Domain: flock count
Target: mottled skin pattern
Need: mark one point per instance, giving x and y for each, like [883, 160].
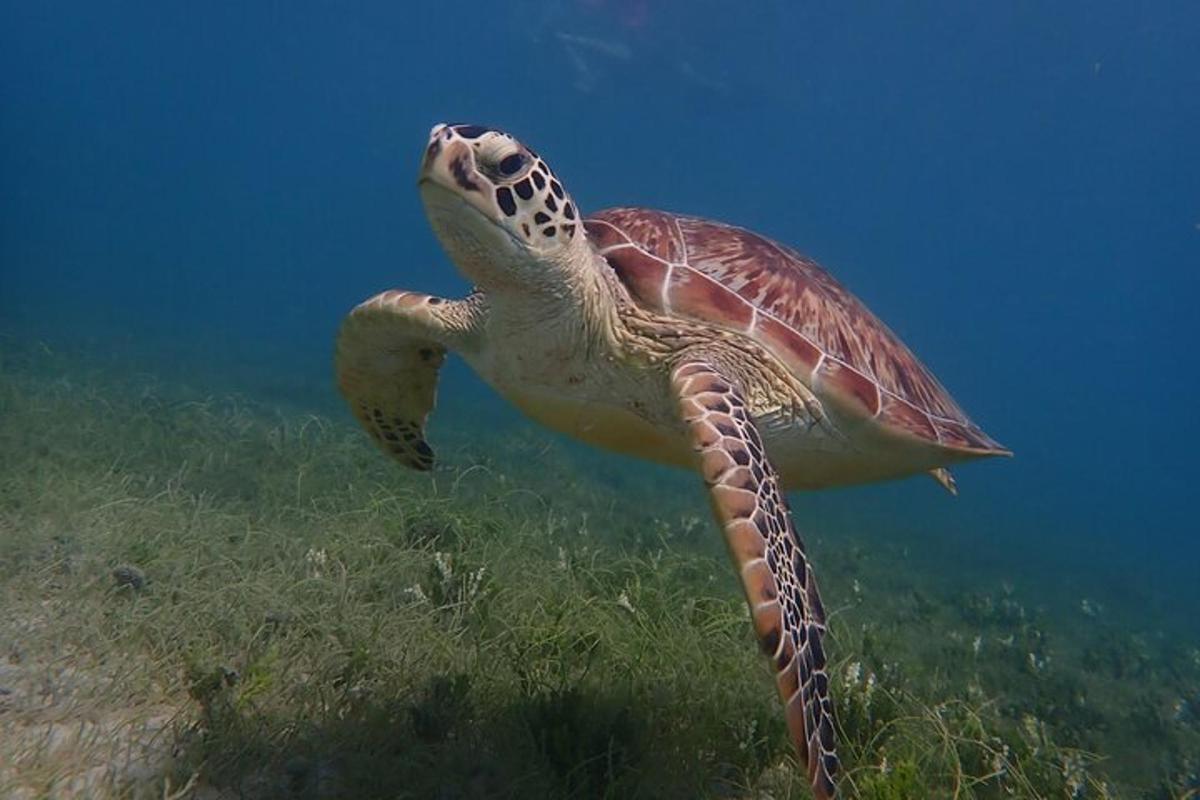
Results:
[668, 338]
[768, 554]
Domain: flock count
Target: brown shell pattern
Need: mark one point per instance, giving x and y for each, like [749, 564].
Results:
[742, 281]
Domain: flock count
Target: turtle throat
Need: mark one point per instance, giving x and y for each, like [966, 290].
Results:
[490, 256]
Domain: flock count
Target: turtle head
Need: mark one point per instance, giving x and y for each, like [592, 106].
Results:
[498, 210]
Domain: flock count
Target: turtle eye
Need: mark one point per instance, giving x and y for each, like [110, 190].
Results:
[511, 164]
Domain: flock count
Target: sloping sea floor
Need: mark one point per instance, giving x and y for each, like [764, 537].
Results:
[215, 595]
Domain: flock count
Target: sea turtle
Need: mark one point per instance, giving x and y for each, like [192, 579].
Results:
[671, 338]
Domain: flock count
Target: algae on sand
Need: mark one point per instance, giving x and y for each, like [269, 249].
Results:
[313, 622]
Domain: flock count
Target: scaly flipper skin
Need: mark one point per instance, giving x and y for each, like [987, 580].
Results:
[389, 351]
[778, 580]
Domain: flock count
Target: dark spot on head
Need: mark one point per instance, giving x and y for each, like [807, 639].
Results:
[541, 218]
[569, 230]
[425, 353]
[549, 231]
[505, 199]
[511, 164]
[556, 187]
[538, 180]
[436, 301]
[569, 211]
[523, 189]
[459, 170]
[525, 228]
[470, 131]
[551, 204]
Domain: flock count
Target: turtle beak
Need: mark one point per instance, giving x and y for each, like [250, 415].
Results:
[450, 163]
[439, 136]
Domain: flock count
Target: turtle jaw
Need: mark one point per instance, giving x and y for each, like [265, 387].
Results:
[485, 252]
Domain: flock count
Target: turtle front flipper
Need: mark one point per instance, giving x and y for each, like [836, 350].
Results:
[389, 351]
[778, 580]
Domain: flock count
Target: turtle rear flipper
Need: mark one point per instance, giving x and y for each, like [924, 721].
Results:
[945, 479]
[389, 351]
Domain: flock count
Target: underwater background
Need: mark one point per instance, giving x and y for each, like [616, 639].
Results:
[193, 196]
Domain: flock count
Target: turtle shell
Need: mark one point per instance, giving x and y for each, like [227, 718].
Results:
[739, 280]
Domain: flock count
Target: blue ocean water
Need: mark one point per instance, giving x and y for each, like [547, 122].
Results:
[1013, 187]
